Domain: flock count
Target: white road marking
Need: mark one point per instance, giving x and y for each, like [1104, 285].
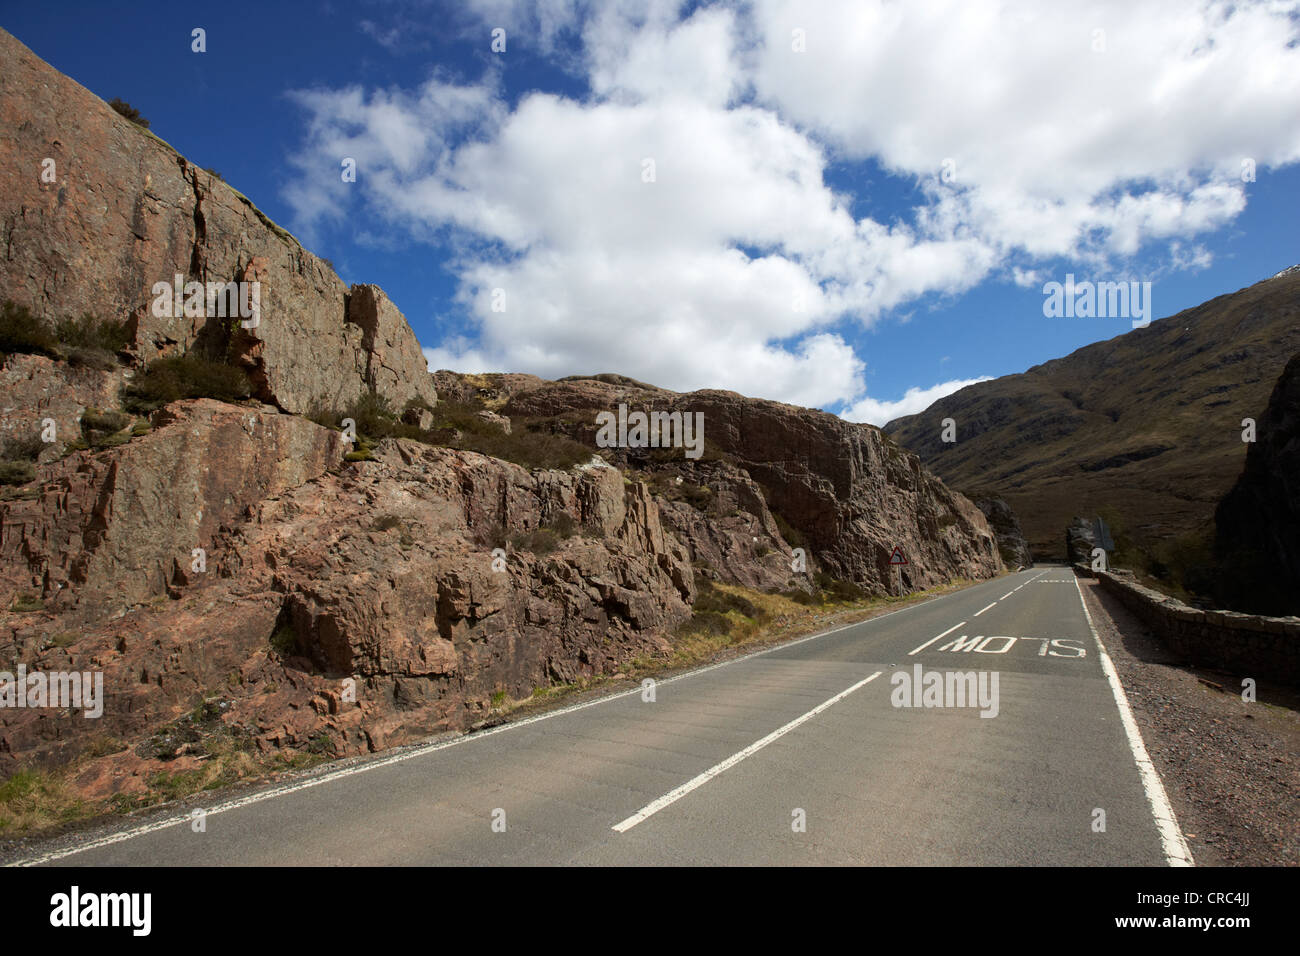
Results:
[1177, 852]
[421, 750]
[1008, 594]
[933, 639]
[982, 610]
[650, 809]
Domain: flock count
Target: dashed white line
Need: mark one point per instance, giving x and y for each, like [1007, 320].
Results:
[982, 610]
[935, 638]
[1177, 852]
[650, 809]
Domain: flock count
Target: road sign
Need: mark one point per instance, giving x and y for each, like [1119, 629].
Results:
[897, 556]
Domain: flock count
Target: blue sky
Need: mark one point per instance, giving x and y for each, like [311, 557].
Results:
[1107, 143]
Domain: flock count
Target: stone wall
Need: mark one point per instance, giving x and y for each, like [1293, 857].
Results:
[1250, 645]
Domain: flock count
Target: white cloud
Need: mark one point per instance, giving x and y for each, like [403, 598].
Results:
[914, 400]
[1057, 148]
[600, 269]
[692, 280]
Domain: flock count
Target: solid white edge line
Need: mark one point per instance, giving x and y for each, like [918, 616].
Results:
[982, 610]
[935, 638]
[421, 750]
[650, 809]
[1177, 852]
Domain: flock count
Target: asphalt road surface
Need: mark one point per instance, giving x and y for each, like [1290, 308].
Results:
[799, 754]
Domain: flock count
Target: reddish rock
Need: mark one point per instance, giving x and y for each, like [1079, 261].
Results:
[847, 489]
[112, 529]
[126, 211]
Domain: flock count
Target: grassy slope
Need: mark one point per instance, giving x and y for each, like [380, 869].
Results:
[1145, 426]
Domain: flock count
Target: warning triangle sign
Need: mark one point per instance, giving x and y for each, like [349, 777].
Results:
[897, 556]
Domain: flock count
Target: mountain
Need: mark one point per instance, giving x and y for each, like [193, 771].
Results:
[283, 538]
[1145, 428]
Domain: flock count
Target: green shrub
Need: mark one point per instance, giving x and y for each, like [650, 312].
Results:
[284, 640]
[374, 416]
[101, 429]
[27, 602]
[837, 590]
[184, 376]
[540, 541]
[385, 523]
[92, 358]
[532, 444]
[808, 599]
[711, 614]
[564, 525]
[89, 332]
[22, 448]
[125, 109]
[22, 332]
[788, 531]
[711, 599]
[17, 472]
[93, 420]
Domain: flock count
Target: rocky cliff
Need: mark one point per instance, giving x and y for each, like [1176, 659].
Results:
[846, 491]
[1012, 544]
[96, 210]
[1257, 525]
[241, 569]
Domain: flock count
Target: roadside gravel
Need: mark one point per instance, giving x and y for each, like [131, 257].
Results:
[1231, 768]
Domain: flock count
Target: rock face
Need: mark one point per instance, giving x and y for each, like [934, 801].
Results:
[111, 530]
[380, 572]
[1012, 544]
[124, 211]
[1257, 525]
[34, 388]
[847, 490]
[1080, 540]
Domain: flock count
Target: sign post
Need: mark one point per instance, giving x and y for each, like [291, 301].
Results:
[897, 560]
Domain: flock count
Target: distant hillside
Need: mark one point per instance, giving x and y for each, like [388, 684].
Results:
[1145, 427]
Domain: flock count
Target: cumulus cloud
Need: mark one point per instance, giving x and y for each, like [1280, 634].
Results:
[1047, 129]
[675, 223]
[914, 400]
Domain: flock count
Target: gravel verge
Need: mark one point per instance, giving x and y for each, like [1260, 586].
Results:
[1231, 768]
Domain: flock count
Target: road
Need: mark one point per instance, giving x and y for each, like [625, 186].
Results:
[794, 755]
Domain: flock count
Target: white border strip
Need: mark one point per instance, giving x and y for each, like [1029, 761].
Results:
[1177, 853]
[650, 809]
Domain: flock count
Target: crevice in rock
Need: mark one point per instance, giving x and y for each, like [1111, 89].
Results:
[198, 256]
